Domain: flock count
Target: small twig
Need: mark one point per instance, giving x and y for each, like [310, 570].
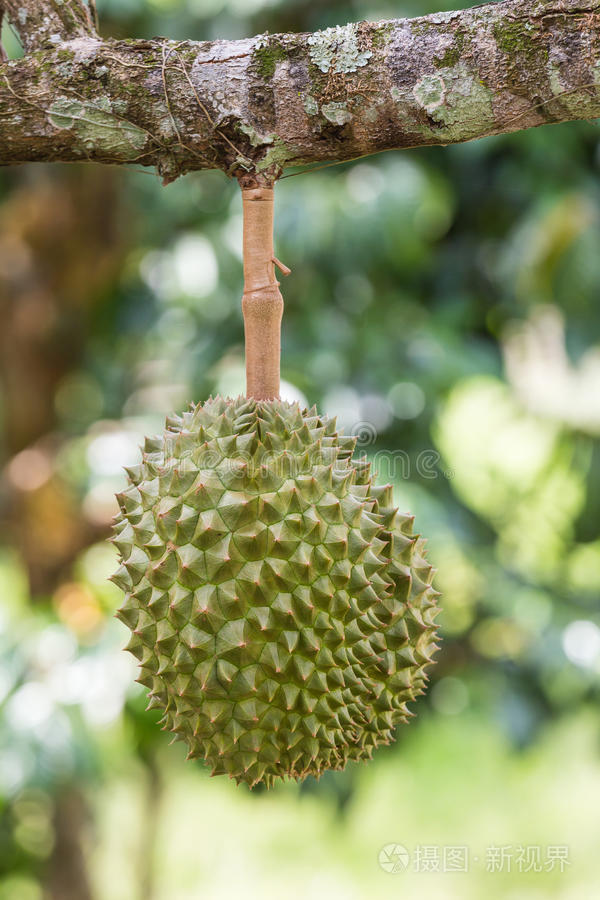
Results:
[166, 92]
[129, 65]
[223, 59]
[3, 55]
[94, 14]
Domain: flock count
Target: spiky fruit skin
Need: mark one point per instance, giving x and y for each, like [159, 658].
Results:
[281, 609]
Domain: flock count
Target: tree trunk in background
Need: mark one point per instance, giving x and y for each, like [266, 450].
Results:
[67, 877]
[149, 832]
[60, 248]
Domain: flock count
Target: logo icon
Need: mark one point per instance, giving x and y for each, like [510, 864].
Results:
[365, 434]
[393, 858]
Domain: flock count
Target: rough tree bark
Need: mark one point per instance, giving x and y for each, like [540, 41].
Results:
[259, 105]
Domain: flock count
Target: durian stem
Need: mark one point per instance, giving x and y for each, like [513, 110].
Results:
[262, 303]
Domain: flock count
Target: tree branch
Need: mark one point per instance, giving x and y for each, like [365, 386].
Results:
[47, 22]
[262, 104]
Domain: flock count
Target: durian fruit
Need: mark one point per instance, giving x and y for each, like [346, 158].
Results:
[280, 607]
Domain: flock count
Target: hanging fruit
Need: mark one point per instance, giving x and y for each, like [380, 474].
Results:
[281, 608]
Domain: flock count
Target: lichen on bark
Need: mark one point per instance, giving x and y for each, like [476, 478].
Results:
[97, 126]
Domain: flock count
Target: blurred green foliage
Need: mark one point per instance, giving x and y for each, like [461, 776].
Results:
[443, 304]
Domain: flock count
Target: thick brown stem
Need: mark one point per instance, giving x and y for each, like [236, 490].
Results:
[262, 303]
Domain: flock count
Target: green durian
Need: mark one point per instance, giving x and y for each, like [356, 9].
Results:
[281, 608]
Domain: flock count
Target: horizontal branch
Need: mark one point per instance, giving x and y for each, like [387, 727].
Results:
[266, 103]
[41, 22]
